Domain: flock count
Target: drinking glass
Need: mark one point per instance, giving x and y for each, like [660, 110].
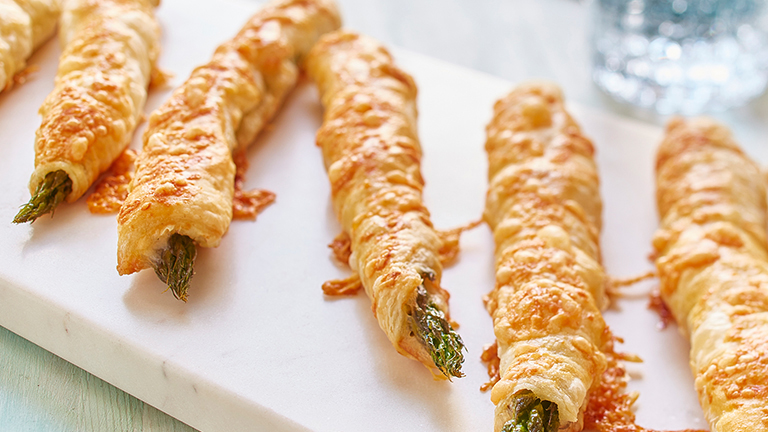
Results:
[681, 56]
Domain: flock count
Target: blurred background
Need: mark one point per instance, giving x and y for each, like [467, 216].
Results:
[552, 39]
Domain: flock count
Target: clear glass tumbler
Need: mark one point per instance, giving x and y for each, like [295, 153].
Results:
[681, 56]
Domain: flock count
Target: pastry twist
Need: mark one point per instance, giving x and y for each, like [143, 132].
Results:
[110, 49]
[544, 208]
[372, 155]
[185, 175]
[712, 260]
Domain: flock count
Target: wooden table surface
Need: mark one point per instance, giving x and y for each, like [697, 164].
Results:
[513, 39]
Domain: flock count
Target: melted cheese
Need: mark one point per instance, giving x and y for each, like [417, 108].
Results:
[110, 48]
[712, 259]
[543, 205]
[247, 204]
[372, 154]
[185, 175]
[110, 192]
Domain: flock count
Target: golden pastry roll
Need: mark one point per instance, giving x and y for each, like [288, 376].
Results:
[372, 154]
[712, 260]
[110, 49]
[543, 206]
[24, 26]
[185, 174]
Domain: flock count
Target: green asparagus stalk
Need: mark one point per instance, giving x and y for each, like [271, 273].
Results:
[429, 325]
[50, 193]
[176, 265]
[531, 414]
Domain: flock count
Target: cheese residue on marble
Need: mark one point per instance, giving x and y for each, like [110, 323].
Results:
[247, 204]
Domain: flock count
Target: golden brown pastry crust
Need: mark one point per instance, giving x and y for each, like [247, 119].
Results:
[184, 181]
[24, 26]
[110, 48]
[712, 260]
[544, 208]
[372, 154]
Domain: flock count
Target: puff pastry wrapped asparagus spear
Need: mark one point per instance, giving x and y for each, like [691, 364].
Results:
[372, 154]
[182, 191]
[712, 260]
[24, 26]
[544, 208]
[110, 48]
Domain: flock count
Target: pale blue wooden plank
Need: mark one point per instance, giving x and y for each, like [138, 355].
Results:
[40, 392]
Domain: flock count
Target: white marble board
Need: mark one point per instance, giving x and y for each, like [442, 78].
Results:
[258, 347]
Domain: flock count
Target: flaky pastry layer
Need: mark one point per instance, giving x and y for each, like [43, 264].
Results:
[372, 155]
[712, 260]
[184, 181]
[110, 48]
[544, 208]
[24, 26]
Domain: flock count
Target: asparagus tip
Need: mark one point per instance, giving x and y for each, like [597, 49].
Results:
[176, 265]
[531, 414]
[429, 325]
[52, 191]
